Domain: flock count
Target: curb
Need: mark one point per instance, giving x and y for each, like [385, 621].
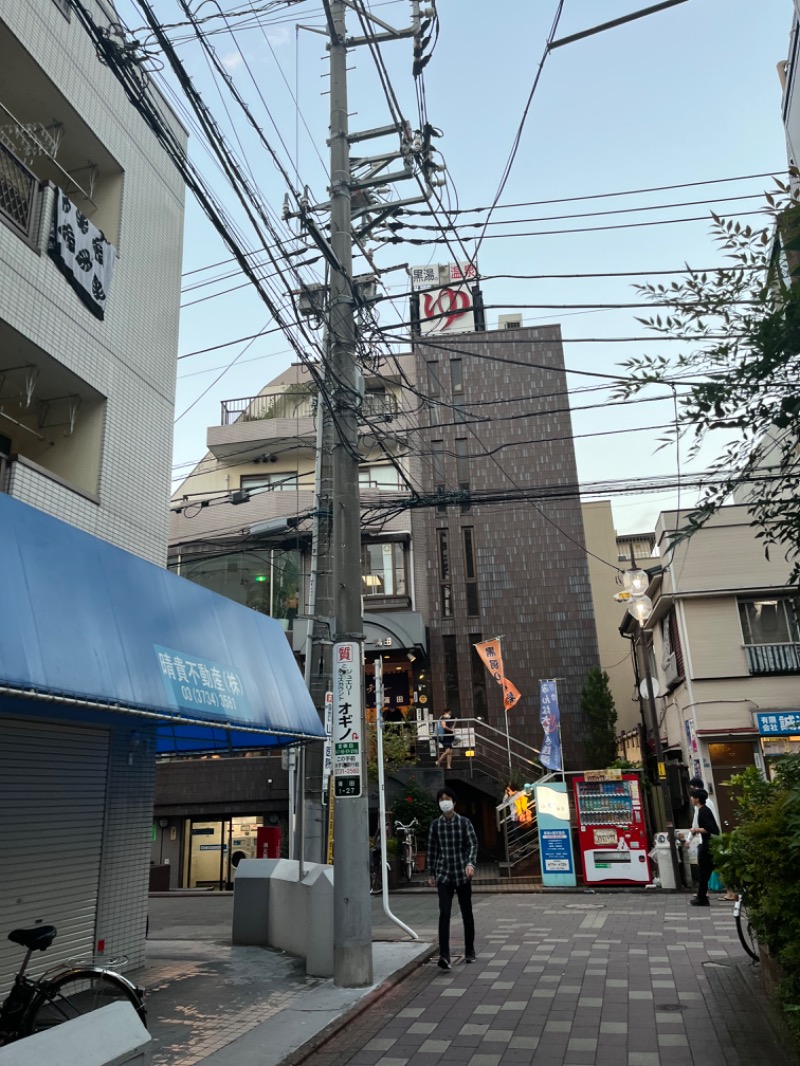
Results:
[318, 1040]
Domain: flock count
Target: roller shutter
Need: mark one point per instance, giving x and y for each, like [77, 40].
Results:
[53, 782]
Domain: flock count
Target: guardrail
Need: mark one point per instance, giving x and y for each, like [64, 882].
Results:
[19, 194]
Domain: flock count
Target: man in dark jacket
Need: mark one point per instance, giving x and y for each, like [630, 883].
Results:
[452, 854]
[706, 828]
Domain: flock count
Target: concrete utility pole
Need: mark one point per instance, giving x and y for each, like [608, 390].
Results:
[352, 909]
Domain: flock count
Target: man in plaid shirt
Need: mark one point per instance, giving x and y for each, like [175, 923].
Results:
[452, 854]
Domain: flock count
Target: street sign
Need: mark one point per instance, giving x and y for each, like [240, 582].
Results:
[327, 751]
[347, 719]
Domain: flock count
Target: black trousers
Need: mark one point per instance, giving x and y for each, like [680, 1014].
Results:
[705, 867]
[446, 890]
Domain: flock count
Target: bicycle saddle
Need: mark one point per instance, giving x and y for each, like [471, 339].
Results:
[38, 939]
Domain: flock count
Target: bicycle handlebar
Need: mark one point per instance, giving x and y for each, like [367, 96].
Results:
[411, 825]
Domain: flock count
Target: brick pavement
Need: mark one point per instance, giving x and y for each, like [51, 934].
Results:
[576, 980]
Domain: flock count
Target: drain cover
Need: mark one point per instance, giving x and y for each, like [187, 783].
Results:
[671, 1008]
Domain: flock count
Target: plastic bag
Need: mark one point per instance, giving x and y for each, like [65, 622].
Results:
[715, 883]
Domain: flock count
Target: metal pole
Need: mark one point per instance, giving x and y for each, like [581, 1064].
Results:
[382, 798]
[292, 803]
[352, 911]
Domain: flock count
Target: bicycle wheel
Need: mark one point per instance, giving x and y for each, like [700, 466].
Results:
[75, 993]
[745, 930]
[408, 863]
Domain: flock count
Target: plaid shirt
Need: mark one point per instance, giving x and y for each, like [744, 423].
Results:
[452, 846]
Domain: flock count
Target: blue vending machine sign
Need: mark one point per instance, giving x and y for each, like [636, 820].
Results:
[555, 835]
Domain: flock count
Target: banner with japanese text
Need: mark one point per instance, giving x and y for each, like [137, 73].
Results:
[550, 717]
[491, 655]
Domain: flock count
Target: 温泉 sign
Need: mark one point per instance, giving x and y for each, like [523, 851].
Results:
[445, 301]
[347, 719]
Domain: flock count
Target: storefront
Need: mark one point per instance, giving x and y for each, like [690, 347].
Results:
[106, 659]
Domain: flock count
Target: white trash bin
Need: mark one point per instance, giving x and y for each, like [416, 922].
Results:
[663, 855]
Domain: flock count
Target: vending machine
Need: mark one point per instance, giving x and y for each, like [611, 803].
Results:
[611, 829]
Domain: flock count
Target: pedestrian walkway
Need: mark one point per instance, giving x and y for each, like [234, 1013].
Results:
[572, 979]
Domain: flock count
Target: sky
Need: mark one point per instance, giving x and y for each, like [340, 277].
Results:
[690, 94]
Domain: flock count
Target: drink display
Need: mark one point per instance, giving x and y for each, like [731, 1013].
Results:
[611, 828]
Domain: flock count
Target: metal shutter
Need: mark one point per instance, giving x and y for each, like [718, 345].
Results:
[53, 782]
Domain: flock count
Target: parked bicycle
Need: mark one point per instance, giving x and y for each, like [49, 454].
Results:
[64, 992]
[745, 930]
[408, 835]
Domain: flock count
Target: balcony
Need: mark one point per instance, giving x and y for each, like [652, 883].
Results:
[773, 659]
[251, 426]
[19, 195]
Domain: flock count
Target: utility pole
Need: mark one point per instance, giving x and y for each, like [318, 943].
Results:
[367, 177]
[352, 908]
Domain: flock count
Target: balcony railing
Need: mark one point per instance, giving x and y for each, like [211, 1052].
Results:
[19, 194]
[298, 402]
[773, 658]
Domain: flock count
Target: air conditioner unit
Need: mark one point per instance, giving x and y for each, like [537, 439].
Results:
[671, 673]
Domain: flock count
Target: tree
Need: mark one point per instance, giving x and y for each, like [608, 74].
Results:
[599, 711]
[740, 372]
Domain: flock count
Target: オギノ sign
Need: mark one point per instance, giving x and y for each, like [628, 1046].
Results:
[347, 719]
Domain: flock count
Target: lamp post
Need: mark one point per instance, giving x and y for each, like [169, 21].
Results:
[640, 607]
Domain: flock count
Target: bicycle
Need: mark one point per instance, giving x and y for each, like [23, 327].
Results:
[64, 992]
[409, 856]
[744, 928]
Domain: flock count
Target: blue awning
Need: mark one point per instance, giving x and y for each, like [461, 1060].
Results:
[87, 624]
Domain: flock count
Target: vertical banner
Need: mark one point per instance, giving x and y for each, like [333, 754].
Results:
[492, 658]
[550, 718]
[347, 719]
[555, 835]
[327, 751]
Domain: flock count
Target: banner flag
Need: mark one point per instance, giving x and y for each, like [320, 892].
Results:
[492, 656]
[550, 717]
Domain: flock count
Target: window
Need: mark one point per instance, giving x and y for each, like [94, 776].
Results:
[64, 8]
[445, 580]
[462, 471]
[434, 388]
[470, 573]
[386, 477]
[671, 653]
[437, 463]
[383, 569]
[452, 692]
[277, 481]
[456, 377]
[769, 621]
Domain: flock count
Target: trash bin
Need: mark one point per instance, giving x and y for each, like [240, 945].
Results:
[663, 856]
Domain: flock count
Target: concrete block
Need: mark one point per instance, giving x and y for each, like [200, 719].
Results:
[318, 887]
[251, 900]
[110, 1036]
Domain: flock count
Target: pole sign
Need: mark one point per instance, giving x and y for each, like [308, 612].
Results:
[327, 751]
[347, 719]
[555, 835]
[550, 717]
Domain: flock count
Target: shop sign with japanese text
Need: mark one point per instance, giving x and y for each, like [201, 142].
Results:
[347, 719]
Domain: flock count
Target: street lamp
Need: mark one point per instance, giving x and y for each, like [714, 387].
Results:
[640, 606]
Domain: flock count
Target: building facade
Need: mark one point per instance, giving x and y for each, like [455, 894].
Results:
[87, 376]
[725, 648]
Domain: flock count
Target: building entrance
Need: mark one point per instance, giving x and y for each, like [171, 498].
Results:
[213, 849]
[726, 760]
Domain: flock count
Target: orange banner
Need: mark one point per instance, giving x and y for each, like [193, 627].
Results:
[492, 656]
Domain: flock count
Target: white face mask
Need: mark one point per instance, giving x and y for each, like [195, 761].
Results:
[445, 806]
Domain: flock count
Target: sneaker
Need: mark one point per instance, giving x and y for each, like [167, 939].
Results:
[699, 903]
[444, 963]
[469, 957]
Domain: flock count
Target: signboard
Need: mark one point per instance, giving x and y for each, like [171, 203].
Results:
[779, 723]
[550, 718]
[611, 774]
[347, 719]
[445, 302]
[555, 835]
[196, 684]
[327, 750]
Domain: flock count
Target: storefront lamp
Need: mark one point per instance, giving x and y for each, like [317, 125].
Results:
[470, 753]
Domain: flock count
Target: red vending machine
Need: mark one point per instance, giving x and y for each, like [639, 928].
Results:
[611, 827]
